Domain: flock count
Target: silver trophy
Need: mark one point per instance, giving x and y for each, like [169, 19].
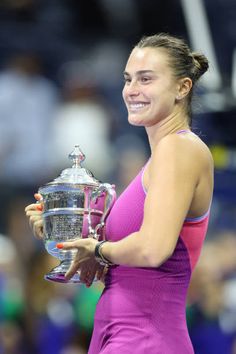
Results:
[75, 205]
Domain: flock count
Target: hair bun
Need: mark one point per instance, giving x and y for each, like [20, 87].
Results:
[201, 64]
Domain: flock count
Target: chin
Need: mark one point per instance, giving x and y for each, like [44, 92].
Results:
[134, 120]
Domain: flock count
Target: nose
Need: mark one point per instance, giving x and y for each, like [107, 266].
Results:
[131, 89]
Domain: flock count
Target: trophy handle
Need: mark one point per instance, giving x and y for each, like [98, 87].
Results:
[107, 191]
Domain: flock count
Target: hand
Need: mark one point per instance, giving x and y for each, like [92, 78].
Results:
[34, 213]
[84, 259]
[89, 270]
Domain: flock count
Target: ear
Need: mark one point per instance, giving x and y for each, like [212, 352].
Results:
[183, 88]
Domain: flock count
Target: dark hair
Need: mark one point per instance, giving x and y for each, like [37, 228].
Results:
[183, 61]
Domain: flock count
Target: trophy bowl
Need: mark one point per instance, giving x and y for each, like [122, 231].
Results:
[75, 206]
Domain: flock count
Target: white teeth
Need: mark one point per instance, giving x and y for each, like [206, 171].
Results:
[137, 105]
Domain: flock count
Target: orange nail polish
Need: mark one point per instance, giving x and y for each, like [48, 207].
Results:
[39, 207]
[60, 245]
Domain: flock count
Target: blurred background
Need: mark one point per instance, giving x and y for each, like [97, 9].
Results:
[61, 65]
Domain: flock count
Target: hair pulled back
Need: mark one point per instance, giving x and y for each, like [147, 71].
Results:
[183, 62]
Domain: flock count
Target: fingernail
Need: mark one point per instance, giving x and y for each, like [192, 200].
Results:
[59, 245]
[39, 207]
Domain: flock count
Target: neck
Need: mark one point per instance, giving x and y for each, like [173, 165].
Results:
[169, 125]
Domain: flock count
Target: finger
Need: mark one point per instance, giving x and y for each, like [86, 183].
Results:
[95, 269]
[90, 277]
[87, 276]
[38, 196]
[73, 269]
[38, 229]
[89, 281]
[39, 206]
[70, 245]
[88, 271]
[31, 207]
[34, 213]
[34, 218]
[84, 272]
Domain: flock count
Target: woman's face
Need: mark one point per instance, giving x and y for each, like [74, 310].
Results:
[150, 88]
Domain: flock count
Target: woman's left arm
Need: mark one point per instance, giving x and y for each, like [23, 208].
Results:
[173, 176]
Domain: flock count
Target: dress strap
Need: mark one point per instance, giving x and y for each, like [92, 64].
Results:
[183, 131]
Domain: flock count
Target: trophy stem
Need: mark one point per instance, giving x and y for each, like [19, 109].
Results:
[57, 274]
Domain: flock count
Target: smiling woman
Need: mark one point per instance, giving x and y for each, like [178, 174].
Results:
[156, 228]
[161, 65]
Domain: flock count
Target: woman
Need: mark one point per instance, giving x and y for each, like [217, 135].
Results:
[156, 228]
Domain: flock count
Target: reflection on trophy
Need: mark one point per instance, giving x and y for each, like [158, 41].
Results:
[75, 206]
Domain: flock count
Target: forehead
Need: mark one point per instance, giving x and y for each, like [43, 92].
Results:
[155, 59]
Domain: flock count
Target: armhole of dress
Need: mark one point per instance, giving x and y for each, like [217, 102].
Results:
[198, 218]
[142, 176]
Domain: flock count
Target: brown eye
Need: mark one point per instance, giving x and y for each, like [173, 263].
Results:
[145, 79]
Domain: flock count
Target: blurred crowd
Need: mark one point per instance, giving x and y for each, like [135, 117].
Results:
[211, 311]
[54, 95]
[40, 124]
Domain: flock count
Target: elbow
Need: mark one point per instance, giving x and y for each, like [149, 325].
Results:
[153, 258]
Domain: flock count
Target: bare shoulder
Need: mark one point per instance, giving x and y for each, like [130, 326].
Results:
[182, 163]
[183, 148]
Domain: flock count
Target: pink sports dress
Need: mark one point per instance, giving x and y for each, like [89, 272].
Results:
[142, 310]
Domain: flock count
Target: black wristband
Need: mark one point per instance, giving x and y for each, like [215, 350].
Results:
[99, 256]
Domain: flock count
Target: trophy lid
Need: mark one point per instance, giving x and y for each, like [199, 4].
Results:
[76, 174]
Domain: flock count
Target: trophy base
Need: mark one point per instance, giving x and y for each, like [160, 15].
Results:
[60, 278]
[58, 273]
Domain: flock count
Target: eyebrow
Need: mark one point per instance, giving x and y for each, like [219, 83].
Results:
[140, 72]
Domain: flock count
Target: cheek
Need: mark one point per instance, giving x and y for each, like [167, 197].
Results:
[168, 97]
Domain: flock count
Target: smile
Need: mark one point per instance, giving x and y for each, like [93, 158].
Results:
[137, 106]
